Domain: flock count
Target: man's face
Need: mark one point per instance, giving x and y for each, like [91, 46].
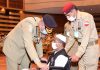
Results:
[57, 45]
[41, 25]
[71, 16]
[44, 29]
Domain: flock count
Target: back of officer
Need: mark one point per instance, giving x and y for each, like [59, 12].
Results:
[82, 28]
[18, 44]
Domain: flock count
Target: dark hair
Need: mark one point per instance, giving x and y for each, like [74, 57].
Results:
[74, 7]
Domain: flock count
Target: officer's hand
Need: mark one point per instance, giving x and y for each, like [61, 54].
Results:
[43, 66]
[44, 59]
[74, 58]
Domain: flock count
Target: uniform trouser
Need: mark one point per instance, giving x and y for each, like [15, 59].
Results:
[74, 66]
[12, 65]
[89, 60]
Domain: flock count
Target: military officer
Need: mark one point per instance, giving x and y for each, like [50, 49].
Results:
[82, 28]
[18, 44]
[73, 49]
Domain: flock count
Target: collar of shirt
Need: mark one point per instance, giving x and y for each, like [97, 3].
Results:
[78, 15]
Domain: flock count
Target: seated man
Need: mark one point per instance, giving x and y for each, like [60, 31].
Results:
[59, 60]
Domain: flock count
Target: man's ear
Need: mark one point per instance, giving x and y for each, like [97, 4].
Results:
[41, 24]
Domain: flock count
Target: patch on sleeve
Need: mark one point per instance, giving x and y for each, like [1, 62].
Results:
[86, 23]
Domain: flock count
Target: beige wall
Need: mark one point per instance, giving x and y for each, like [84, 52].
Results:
[32, 15]
[38, 4]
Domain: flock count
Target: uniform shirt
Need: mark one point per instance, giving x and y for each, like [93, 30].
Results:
[85, 26]
[20, 40]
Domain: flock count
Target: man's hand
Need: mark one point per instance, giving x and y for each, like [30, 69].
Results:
[43, 66]
[43, 59]
[74, 58]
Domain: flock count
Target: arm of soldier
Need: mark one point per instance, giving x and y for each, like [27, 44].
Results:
[39, 49]
[85, 38]
[27, 36]
[70, 37]
[69, 43]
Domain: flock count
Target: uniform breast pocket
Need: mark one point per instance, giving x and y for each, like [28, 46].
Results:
[78, 34]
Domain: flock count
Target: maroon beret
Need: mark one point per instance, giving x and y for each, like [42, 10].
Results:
[67, 8]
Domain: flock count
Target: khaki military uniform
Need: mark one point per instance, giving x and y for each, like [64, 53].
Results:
[84, 31]
[19, 43]
[73, 49]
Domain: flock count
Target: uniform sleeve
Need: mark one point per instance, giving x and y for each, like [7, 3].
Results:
[27, 36]
[39, 49]
[69, 43]
[70, 38]
[86, 35]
